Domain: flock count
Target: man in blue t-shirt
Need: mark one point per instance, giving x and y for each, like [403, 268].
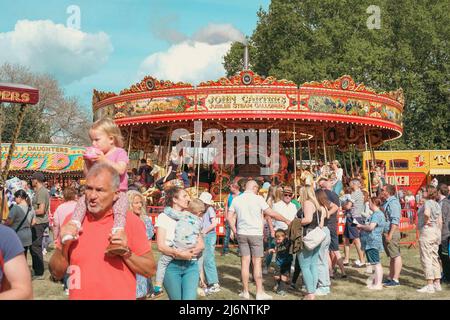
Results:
[391, 236]
[15, 277]
[234, 192]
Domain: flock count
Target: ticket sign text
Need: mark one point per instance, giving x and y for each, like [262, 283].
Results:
[399, 180]
[411, 181]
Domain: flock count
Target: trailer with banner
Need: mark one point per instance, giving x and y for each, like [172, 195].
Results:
[409, 170]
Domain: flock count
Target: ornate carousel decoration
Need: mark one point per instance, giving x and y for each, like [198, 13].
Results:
[314, 118]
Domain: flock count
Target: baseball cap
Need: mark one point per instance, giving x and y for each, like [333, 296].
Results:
[39, 176]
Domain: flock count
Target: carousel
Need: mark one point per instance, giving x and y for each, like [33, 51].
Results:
[313, 121]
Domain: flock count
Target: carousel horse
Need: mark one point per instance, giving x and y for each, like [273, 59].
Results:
[158, 172]
[284, 162]
[192, 191]
[282, 174]
[307, 178]
[326, 171]
[153, 196]
[173, 183]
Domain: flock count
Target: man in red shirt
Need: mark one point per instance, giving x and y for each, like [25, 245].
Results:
[93, 274]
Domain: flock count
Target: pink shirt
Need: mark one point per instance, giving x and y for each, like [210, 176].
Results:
[120, 155]
[61, 214]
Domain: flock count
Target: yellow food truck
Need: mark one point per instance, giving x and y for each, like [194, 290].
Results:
[409, 169]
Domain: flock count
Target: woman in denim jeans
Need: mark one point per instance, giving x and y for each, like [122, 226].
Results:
[182, 274]
[331, 209]
[209, 234]
[311, 216]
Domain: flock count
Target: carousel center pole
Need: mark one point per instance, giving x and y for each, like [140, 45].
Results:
[393, 169]
[220, 187]
[158, 156]
[324, 146]
[351, 160]
[301, 156]
[344, 160]
[309, 154]
[199, 160]
[355, 164]
[168, 151]
[295, 164]
[316, 148]
[130, 133]
[368, 178]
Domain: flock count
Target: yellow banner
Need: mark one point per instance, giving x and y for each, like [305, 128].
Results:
[440, 159]
[43, 157]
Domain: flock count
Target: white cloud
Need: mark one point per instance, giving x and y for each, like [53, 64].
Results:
[43, 46]
[189, 61]
[164, 29]
[192, 60]
[218, 33]
[213, 33]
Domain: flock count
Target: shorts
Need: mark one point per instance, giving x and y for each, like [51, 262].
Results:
[373, 256]
[350, 231]
[334, 240]
[393, 247]
[250, 246]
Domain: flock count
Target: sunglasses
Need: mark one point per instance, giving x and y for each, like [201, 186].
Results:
[288, 194]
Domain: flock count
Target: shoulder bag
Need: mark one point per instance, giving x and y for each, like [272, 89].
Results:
[315, 237]
[23, 220]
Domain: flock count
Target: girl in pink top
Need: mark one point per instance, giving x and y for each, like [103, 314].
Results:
[107, 143]
[63, 210]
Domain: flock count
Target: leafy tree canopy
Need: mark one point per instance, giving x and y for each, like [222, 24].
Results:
[317, 40]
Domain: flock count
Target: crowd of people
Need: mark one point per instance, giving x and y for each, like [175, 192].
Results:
[103, 237]
[372, 224]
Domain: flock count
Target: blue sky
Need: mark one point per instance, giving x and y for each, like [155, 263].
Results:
[120, 41]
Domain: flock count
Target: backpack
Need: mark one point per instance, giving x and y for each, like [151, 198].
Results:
[295, 236]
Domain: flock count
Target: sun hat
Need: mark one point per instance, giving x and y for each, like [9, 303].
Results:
[206, 198]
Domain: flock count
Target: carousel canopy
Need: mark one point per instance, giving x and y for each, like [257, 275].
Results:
[341, 111]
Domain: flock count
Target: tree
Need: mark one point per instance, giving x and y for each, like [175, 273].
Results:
[317, 40]
[55, 119]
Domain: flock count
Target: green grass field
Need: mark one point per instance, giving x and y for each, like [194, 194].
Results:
[353, 287]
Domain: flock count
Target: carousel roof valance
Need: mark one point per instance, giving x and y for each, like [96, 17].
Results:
[340, 111]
